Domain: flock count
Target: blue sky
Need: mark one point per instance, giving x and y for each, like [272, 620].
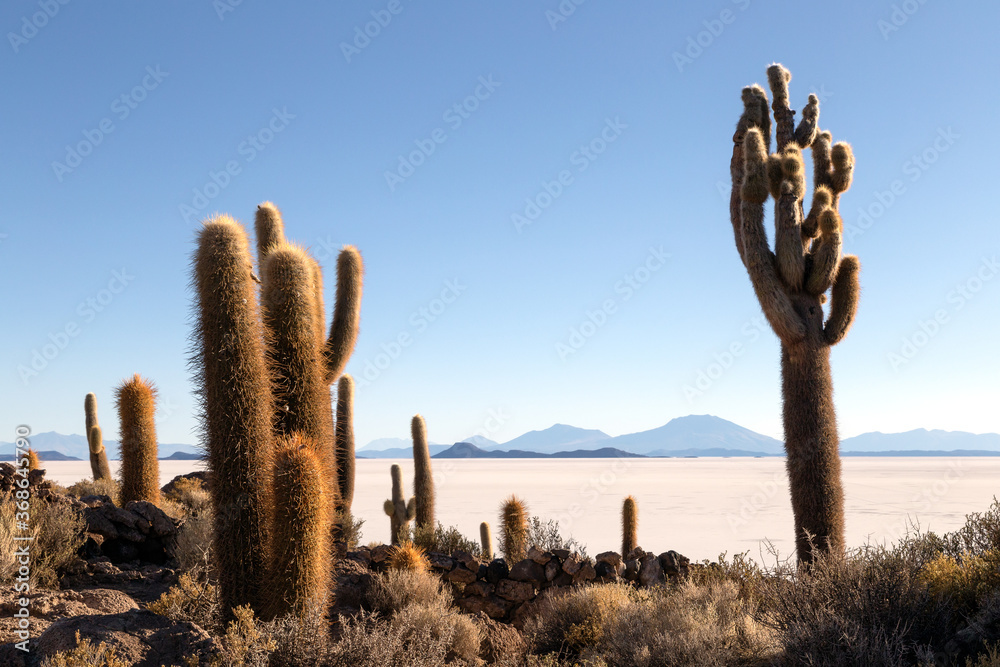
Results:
[616, 122]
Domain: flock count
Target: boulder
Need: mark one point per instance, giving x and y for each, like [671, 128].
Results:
[528, 570]
[497, 571]
[572, 564]
[650, 571]
[490, 605]
[674, 564]
[585, 573]
[461, 575]
[480, 588]
[552, 569]
[466, 559]
[501, 644]
[515, 591]
[611, 558]
[139, 531]
[140, 637]
[539, 556]
[441, 562]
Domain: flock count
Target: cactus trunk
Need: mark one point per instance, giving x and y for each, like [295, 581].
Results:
[236, 397]
[300, 565]
[423, 477]
[514, 527]
[345, 444]
[812, 448]
[140, 469]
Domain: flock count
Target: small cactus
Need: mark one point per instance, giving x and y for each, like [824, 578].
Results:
[33, 461]
[408, 556]
[99, 467]
[630, 520]
[300, 563]
[486, 538]
[514, 530]
[399, 511]
[140, 469]
[423, 476]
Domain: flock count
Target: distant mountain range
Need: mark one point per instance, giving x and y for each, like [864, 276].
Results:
[694, 435]
[73, 447]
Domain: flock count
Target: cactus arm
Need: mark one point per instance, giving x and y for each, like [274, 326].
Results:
[411, 509]
[755, 115]
[822, 200]
[843, 300]
[759, 259]
[389, 508]
[806, 132]
[784, 118]
[788, 219]
[826, 255]
[842, 158]
[346, 313]
[269, 230]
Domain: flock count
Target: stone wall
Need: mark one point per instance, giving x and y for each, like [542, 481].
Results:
[508, 593]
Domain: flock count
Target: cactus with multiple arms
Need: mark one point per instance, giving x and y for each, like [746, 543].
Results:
[399, 511]
[630, 520]
[140, 468]
[98, 456]
[791, 284]
[246, 371]
[423, 476]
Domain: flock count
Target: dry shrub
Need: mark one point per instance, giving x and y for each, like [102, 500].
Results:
[872, 605]
[189, 600]
[194, 542]
[442, 625]
[59, 530]
[8, 563]
[368, 641]
[85, 655]
[245, 644]
[99, 487]
[190, 493]
[445, 540]
[395, 589]
[965, 580]
[688, 624]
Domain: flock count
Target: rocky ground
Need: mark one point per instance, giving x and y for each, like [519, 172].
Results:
[128, 560]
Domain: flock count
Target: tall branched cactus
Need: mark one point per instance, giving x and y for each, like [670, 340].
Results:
[399, 511]
[423, 476]
[140, 467]
[791, 284]
[95, 443]
[247, 371]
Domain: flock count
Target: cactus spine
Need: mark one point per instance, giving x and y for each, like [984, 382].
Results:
[423, 476]
[237, 409]
[98, 456]
[140, 469]
[399, 511]
[514, 530]
[300, 567]
[630, 521]
[345, 443]
[791, 284]
[486, 538]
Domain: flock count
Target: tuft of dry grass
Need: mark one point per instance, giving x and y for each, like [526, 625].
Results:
[59, 536]
[85, 655]
[396, 589]
[100, 487]
[191, 494]
[189, 600]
